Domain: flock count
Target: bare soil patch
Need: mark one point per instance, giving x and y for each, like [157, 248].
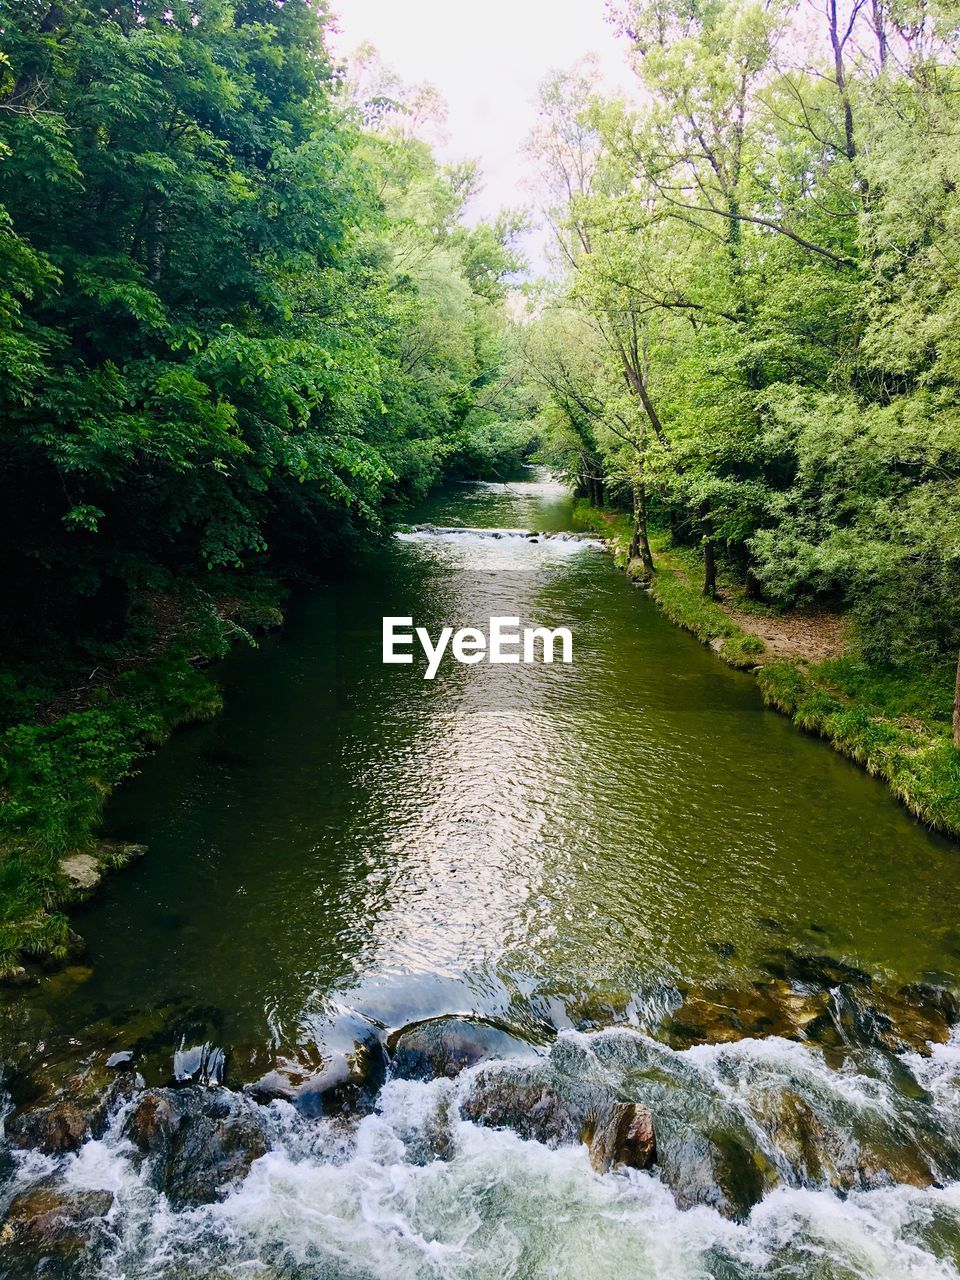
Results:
[812, 635]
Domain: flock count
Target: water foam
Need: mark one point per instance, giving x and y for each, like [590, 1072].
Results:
[372, 1201]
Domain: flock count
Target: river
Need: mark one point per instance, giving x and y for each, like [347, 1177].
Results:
[569, 851]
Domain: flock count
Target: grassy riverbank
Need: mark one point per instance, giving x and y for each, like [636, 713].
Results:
[67, 741]
[894, 721]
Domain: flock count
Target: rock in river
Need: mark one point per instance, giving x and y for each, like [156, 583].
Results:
[445, 1046]
[537, 1102]
[343, 1082]
[197, 1140]
[47, 1226]
[63, 1117]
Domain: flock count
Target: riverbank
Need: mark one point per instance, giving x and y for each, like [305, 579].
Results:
[895, 722]
[70, 747]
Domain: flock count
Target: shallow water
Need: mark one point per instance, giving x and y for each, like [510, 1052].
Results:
[349, 846]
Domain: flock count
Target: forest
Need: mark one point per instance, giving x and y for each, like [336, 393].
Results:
[756, 344]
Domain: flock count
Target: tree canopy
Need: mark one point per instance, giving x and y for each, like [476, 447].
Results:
[756, 332]
[240, 311]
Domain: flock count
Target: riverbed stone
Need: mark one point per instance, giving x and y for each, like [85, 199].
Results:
[48, 1225]
[819, 972]
[814, 1152]
[915, 1017]
[154, 1120]
[528, 1103]
[720, 1169]
[346, 1084]
[621, 1133]
[817, 999]
[446, 1046]
[197, 1141]
[282, 1082]
[62, 1117]
[721, 1015]
[62, 1126]
[539, 1103]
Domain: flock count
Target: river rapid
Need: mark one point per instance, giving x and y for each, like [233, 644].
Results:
[404, 947]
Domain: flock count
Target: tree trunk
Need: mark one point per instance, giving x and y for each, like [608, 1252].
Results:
[753, 585]
[27, 84]
[880, 29]
[956, 711]
[709, 552]
[640, 543]
[838, 41]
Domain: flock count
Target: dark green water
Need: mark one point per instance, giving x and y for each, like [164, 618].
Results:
[350, 836]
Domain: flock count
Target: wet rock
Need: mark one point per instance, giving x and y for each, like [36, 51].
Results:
[721, 1015]
[720, 1169]
[62, 1126]
[531, 1104]
[936, 1001]
[863, 1151]
[429, 1132]
[437, 1132]
[819, 971]
[887, 1164]
[814, 1153]
[909, 1019]
[915, 1017]
[199, 1064]
[348, 1082]
[445, 1046]
[621, 1133]
[48, 1225]
[154, 1121]
[708, 1150]
[197, 1141]
[818, 999]
[63, 1118]
[540, 1103]
[283, 1081]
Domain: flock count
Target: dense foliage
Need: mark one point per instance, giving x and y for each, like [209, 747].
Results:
[757, 333]
[234, 322]
[242, 319]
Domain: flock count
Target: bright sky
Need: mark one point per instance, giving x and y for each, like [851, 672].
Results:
[487, 60]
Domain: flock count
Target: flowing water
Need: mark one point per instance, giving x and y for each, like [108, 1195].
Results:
[349, 848]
